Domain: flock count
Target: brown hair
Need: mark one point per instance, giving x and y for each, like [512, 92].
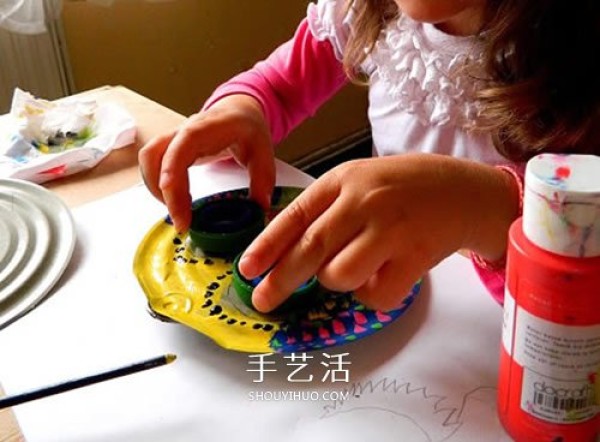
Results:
[542, 94]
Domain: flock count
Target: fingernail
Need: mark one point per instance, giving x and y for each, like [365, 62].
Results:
[260, 302]
[245, 266]
[181, 230]
[178, 228]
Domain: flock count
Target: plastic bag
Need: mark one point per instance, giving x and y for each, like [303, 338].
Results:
[42, 140]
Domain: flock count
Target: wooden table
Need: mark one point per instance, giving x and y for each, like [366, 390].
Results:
[116, 172]
[449, 307]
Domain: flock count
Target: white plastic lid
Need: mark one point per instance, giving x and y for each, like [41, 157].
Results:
[561, 204]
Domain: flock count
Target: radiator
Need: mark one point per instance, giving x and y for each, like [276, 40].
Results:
[34, 63]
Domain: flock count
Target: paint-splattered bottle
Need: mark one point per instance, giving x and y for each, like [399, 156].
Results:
[549, 383]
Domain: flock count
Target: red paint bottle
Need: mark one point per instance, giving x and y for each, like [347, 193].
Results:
[549, 380]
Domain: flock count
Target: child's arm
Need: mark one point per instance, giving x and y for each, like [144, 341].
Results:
[292, 83]
[243, 118]
[493, 273]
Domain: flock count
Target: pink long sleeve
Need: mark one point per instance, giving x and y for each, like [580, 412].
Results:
[291, 84]
[493, 280]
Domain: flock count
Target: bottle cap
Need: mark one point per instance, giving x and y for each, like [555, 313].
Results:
[561, 204]
[224, 227]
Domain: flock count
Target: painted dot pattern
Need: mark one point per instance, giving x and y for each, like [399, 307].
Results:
[185, 287]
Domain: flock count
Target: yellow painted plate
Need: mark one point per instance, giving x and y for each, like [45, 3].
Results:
[185, 286]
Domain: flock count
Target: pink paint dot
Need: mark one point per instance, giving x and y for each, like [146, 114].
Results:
[330, 341]
[338, 327]
[57, 171]
[323, 333]
[382, 317]
[291, 340]
[358, 329]
[562, 172]
[360, 318]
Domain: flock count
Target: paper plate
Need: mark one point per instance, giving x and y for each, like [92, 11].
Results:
[37, 237]
[183, 286]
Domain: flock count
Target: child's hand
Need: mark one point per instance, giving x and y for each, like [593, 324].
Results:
[235, 124]
[376, 226]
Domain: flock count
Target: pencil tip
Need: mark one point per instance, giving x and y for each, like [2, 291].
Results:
[170, 357]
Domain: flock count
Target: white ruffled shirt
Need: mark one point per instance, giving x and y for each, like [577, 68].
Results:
[418, 88]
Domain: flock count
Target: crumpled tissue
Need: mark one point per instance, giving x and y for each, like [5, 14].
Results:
[42, 140]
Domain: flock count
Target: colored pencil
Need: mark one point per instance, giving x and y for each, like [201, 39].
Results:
[49, 390]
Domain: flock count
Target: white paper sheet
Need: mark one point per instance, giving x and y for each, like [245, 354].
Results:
[430, 376]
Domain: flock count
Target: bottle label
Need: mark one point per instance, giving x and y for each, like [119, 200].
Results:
[560, 363]
[556, 400]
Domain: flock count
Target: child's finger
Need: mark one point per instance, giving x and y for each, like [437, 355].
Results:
[261, 169]
[286, 229]
[178, 200]
[388, 287]
[150, 161]
[353, 265]
[190, 143]
[331, 232]
[293, 270]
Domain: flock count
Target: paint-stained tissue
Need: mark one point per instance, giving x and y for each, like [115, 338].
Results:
[42, 140]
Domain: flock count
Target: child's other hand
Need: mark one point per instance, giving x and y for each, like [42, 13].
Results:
[235, 124]
[376, 226]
